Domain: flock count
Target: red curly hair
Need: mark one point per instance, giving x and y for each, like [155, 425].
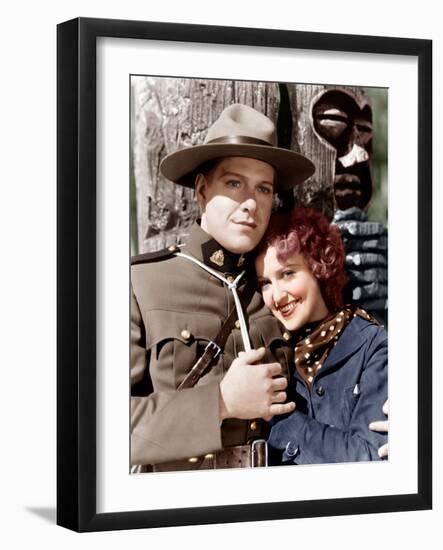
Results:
[307, 232]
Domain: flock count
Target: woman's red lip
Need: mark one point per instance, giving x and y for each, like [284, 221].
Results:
[293, 303]
[287, 304]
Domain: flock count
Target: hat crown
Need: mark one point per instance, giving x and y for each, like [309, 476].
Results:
[239, 120]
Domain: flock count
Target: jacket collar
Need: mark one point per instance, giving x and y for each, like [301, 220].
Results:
[206, 249]
[349, 343]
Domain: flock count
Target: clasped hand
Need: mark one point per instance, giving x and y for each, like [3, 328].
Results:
[251, 389]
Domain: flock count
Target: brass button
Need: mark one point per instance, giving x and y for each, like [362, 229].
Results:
[237, 324]
[253, 425]
[209, 456]
[230, 279]
[172, 248]
[286, 336]
[185, 334]
[193, 459]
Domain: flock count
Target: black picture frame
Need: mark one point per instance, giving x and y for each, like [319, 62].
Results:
[76, 279]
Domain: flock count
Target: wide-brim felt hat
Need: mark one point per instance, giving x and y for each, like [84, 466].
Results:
[240, 131]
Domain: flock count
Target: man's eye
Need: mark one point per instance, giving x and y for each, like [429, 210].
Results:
[265, 189]
[233, 183]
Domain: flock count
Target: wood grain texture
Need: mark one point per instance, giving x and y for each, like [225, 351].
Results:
[169, 114]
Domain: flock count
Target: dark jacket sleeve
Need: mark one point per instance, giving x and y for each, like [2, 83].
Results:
[301, 439]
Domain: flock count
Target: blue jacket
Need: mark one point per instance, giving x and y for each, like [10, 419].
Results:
[330, 423]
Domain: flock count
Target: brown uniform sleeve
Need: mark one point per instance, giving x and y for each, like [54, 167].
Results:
[169, 424]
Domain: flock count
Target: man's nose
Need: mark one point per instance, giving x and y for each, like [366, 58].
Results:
[249, 204]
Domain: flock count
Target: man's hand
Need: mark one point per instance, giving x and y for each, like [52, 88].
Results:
[382, 426]
[251, 389]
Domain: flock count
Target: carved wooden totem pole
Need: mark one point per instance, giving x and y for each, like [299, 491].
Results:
[333, 127]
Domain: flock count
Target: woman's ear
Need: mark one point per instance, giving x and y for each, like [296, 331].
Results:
[200, 190]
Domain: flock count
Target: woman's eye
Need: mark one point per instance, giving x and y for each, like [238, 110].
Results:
[287, 274]
[262, 285]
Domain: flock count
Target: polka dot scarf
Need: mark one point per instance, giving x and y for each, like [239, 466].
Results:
[315, 341]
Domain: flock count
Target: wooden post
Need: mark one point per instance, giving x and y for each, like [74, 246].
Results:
[318, 191]
[168, 114]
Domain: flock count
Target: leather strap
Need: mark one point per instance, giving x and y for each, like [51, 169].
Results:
[240, 456]
[215, 347]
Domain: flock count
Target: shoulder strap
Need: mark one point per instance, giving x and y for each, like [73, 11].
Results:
[155, 256]
[215, 347]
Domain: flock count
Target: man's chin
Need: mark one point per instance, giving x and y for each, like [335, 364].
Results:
[240, 245]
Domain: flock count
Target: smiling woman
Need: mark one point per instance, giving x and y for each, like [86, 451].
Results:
[291, 292]
[302, 255]
[339, 379]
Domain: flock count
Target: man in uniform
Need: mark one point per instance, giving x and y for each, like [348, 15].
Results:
[182, 297]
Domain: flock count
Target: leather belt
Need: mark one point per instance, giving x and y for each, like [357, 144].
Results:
[240, 456]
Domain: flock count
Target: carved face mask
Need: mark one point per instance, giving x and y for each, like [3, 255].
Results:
[342, 119]
[333, 127]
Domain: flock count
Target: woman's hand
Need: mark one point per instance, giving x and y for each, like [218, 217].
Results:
[251, 389]
[382, 426]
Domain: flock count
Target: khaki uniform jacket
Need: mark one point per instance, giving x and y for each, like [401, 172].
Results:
[177, 308]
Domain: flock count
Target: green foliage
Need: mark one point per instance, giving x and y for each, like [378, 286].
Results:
[379, 204]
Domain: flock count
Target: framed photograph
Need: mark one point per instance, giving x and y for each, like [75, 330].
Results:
[346, 121]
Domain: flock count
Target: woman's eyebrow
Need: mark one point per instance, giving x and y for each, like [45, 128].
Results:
[291, 265]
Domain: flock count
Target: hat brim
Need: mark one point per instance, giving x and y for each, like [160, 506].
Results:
[292, 168]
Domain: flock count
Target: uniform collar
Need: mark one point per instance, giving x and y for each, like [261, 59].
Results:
[206, 249]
